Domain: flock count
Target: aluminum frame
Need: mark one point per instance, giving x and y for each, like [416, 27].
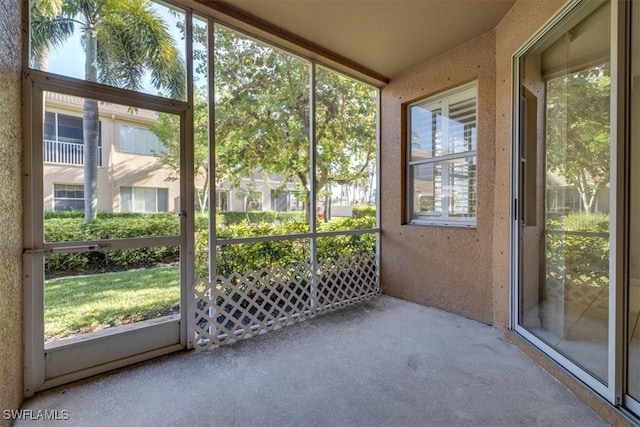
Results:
[612, 390]
[36, 83]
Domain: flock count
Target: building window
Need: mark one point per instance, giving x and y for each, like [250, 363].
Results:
[222, 200]
[63, 140]
[286, 201]
[565, 199]
[442, 158]
[253, 201]
[139, 140]
[67, 197]
[143, 199]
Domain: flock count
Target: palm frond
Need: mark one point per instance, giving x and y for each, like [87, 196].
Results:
[132, 39]
[50, 26]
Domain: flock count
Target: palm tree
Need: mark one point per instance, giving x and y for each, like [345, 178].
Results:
[122, 39]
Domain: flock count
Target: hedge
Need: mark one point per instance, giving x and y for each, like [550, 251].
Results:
[110, 227]
[363, 211]
[239, 258]
[60, 227]
[232, 218]
[578, 259]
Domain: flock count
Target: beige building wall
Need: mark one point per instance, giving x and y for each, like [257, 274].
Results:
[518, 26]
[11, 359]
[465, 271]
[119, 169]
[446, 267]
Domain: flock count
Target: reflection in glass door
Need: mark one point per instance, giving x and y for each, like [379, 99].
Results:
[564, 185]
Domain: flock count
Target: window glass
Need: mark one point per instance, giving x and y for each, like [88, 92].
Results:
[442, 139]
[63, 138]
[139, 140]
[163, 200]
[126, 199]
[69, 129]
[222, 200]
[141, 199]
[68, 197]
[49, 126]
[564, 230]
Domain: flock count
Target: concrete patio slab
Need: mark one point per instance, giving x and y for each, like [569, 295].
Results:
[386, 362]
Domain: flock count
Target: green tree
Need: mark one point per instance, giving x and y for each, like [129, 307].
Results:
[262, 111]
[167, 129]
[47, 30]
[578, 130]
[122, 40]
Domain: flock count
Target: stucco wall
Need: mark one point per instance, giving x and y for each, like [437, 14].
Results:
[518, 26]
[445, 267]
[10, 208]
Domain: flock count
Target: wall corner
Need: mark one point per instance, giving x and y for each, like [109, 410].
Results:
[11, 299]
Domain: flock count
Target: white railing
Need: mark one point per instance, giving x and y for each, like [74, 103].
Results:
[66, 153]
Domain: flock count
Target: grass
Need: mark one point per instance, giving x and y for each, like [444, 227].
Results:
[80, 304]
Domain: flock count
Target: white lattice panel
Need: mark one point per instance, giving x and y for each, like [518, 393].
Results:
[245, 305]
[344, 281]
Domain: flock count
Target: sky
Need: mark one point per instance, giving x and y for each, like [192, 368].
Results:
[68, 59]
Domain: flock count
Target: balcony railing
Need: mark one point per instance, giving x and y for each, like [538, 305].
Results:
[66, 153]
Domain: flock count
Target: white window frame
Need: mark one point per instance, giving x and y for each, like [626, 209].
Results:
[441, 102]
[67, 198]
[160, 149]
[292, 200]
[57, 140]
[218, 204]
[133, 198]
[256, 197]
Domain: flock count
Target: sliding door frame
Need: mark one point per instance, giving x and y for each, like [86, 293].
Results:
[612, 391]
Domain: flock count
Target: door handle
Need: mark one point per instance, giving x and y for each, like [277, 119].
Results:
[67, 249]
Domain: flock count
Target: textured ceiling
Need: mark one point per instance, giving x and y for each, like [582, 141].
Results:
[386, 36]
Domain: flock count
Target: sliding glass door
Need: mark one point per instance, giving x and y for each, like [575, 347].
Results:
[576, 187]
[564, 218]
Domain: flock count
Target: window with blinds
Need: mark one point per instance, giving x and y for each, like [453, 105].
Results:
[144, 199]
[139, 140]
[67, 197]
[442, 158]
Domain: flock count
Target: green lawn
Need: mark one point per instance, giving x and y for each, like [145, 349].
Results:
[81, 304]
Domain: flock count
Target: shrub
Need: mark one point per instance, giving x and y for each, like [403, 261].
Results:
[362, 211]
[102, 214]
[110, 226]
[230, 258]
[137, 226]
[578, 259]
[63, 214]
[233, 218]
[239, 258]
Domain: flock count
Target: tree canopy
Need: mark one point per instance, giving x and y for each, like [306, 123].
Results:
[578, 130]
[262, 118]
[262, 110]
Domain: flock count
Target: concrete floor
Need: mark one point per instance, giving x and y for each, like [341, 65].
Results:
[387, 362]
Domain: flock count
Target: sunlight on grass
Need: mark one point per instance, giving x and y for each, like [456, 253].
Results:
[81, 304]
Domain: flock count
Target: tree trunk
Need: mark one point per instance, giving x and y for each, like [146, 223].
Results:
[327, 207]
[588, 198]
[42, 62]
[204, 200]
[90, 130]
